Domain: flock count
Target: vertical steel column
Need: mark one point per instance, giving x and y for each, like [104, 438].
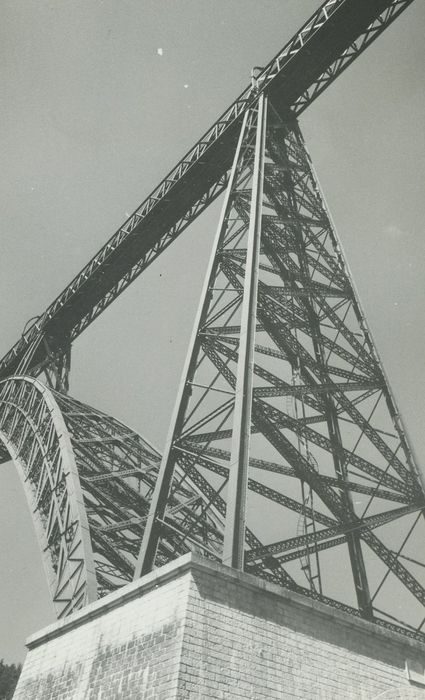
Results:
[151, 534]
[234, 535]
[353, 540]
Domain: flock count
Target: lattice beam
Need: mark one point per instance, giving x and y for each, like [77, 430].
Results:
[336, 34]
[88, 480]
[284, 416]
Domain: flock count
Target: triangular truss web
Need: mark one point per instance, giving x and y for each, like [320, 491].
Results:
[284, 419]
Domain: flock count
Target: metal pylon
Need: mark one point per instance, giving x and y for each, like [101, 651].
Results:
[284, 419]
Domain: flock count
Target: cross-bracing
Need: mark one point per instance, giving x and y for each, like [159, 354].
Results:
[285, 455]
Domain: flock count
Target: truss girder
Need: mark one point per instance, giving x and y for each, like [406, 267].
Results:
[286, 454]
[325, 474]
[336, 34]
[33, 431]
[88, 480]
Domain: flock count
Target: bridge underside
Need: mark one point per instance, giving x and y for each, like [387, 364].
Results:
[88, 480]
[286, 454]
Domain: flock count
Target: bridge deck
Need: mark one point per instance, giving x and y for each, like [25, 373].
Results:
[313, 57]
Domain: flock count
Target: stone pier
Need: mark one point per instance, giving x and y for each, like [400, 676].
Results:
[196, 629]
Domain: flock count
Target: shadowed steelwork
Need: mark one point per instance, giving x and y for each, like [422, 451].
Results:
[88, 480]
[284, 408]
[334, 36]
[286, 455]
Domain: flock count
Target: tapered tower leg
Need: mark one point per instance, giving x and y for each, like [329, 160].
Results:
[234, 534]
[156, 514]
[284, 425]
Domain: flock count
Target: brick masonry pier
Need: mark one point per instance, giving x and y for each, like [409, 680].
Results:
[196, 629]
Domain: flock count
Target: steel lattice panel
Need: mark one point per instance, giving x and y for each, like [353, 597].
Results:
[330, 478]
[88, 481]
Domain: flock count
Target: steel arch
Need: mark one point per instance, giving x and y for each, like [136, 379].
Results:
[36, 437]
[88, 480]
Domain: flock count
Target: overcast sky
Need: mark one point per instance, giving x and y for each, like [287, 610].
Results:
[99, 100]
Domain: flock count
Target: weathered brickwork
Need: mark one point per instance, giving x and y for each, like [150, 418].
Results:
[198, 630]
[129, 650]
[245, 641]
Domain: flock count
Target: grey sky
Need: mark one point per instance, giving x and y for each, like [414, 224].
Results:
[94, 116]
